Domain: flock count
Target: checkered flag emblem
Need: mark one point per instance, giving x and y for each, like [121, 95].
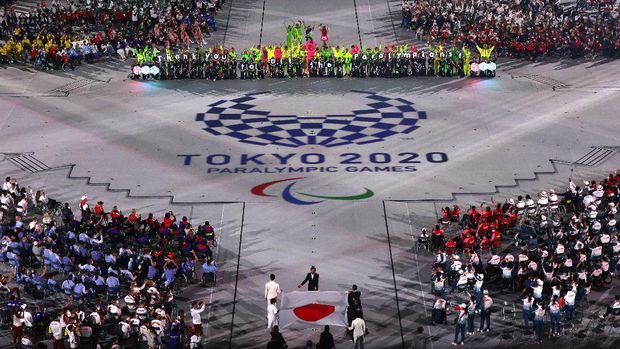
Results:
[381, 118]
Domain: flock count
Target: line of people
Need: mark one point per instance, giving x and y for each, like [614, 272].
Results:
[308, 60]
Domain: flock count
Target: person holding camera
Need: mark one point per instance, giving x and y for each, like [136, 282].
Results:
[196, 311]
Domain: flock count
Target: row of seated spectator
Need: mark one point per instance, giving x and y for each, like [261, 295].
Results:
[553, 250]
[118, 276]
[524, 28]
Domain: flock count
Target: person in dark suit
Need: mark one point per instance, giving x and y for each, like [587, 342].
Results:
[312, 278]
[326, 340]
[354, 297]
[277, 340]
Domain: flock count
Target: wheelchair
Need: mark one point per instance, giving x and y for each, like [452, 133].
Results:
[208, 279]
[52, 207]
[423, 242]
[112, 293]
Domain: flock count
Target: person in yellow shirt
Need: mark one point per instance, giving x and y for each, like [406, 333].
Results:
[348, 58]
[19, 48]
[466, 64]
[270, 52]
[338, 52]
[485, 52]
[437, 59]
[3, 53]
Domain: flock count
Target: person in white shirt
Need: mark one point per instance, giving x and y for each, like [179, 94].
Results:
[485, 313]
[359, 329]
[114, 310]
[72, 337]
[554, 316]
[125, 327]
[272, 314]
[588, 199]
[439, 311]
[528, 302]
[530, 205]
[7, 184]
[194, 341]
[272, 289]
[614, 308]
[537, 289]
[572, 187]
[543, 201]
[569, 303]
[18, 321]
[539, 316]
[553, 199]
[56, 330]
[197, 309]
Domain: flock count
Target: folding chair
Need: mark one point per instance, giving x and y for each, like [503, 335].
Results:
[509, 310]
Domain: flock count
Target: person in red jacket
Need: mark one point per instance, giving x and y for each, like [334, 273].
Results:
[446, 213]
[437, 239]
[468, 242]
[450, 246]
[496, 241]
[455, 216]
[485, 243]
[277, 53]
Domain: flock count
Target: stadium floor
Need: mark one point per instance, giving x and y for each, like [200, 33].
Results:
[142, 144]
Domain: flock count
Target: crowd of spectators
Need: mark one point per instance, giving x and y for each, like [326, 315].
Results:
[550, 251]
[65, 34]
[520, 28]
[113, 276]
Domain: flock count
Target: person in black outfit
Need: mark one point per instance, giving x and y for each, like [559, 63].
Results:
[312, 278]
[277, 340]
[354, 311]
[354, 296]
[326, 341]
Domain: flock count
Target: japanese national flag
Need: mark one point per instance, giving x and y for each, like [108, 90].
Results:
[303, 309]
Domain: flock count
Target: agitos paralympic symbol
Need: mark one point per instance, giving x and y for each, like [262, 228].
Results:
[288, 194]
[381, 117]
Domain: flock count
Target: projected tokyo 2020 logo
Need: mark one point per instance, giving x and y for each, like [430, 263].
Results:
[289, 194]
[379, 118]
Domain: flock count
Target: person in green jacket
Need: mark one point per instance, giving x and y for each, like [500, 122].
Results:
[140, 57]
[348, 57]
[245, 56]
[454, 60]
[256, 53]
[289, 35]
[298, 33]
[326, 54]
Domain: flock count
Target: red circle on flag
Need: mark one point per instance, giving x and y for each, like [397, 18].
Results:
[314, 312]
